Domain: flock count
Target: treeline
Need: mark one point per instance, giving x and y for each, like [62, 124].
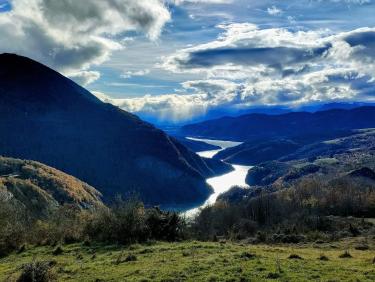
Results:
[125, 222]
[312, 207]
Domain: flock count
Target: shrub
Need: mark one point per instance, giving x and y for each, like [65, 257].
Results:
[164, 225]
[246, 255]
[273, 275]
[14, 225]
[346, 254]
[294, 256]
[244, 228]
[130, 257]
[261, 237]
[361, 247]
[287, 238]
[40, 271]
[323, 258]
[21, 249]
[57, 251]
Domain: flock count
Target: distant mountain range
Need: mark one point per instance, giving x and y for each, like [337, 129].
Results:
[270, 137]
[269, 110]
[48, 118]
[296, 125]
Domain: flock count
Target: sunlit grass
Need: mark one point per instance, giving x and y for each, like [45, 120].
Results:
[197, 261]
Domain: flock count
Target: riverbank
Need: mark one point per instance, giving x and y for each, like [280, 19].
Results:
[223, 183]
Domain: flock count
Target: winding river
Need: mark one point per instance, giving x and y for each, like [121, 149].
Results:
[222, 183]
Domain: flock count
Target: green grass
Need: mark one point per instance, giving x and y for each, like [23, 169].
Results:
[197, 261]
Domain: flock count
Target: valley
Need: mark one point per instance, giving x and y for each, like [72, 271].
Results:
[187, 140]
[223, 183]
[262, 197]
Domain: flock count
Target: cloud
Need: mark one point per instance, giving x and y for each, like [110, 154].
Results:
[72, 36]
[274, 11]
[129, 74]
[179, 2]
[247, 45]
[358, 2]
[247, 66]
[272, 57]
[275, 51]
[84, 77]
[199, 98]
[163, 108]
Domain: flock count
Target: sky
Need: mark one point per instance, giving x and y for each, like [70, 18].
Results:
[177, 61]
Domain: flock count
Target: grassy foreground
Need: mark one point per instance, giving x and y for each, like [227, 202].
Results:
[198, 261]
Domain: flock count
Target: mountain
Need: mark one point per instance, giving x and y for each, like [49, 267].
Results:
[213, 113]
[196, 146]
[48, 118]
[342, 105]
[255, 152]
[41, 189]
[352, 156]
[298, 126]
[342, 167]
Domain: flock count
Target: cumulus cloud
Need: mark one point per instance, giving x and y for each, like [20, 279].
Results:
[163, 108]
[129, 74]
[274, 11]
[71, 36]
[276, 51]
[247, 45]
[359, 2]
[84, 77]
[179, 2]
[247, 66]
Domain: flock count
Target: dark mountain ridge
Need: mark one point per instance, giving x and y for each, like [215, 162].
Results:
[299, 126]
[49, 118]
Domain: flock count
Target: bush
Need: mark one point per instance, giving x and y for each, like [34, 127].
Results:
[247, 255]
[244, 228]
[128, 222]
[346, 254]
[361, 247]
[14, 225]
[323, 258]
[294, 256]
[273, 275]
[58, 251]
[287, 238]
[313, 206]
[37, 271]
[130, 258]
[261, 237]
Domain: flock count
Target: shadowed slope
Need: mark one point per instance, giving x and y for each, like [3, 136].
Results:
[48, 118]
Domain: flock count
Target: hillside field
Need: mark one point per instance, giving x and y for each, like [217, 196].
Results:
[202, 261]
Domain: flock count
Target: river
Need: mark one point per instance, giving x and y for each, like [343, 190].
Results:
[222, 183]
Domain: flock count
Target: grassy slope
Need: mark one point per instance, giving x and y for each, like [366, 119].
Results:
[197, 261]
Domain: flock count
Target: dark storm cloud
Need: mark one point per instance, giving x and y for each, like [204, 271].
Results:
[366, 40]
[274, 57]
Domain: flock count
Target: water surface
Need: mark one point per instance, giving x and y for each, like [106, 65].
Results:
[222, 183]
